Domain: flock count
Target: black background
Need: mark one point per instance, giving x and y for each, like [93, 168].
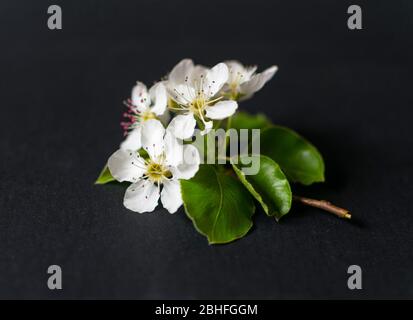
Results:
[61, 92]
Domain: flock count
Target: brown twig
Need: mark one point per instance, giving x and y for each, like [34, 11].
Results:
[324, 205]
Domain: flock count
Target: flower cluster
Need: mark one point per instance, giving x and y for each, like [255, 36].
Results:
[254, 161]
[153, 157]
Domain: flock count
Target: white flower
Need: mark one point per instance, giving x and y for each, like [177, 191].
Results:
[195, 89]
[243, 82]
[168, 162]
[143, 106]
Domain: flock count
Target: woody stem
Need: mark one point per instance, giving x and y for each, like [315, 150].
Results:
[324, 205]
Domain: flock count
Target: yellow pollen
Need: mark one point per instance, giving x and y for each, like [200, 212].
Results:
[198, 105]
[147, 115]
[157, 172]
[172, 104]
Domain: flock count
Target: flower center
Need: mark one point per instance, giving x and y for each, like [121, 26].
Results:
[233, 86]
[148, 115]
[134, 117]
[156, 172]
[198, 105]
[236, 82]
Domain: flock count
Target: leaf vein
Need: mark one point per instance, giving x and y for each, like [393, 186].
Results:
[220, 203]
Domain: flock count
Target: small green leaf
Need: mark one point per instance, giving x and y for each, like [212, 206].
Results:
[244, 120]
[105, 176]
[218, 205]
[298, 158]
[269, 186]
[143, 153]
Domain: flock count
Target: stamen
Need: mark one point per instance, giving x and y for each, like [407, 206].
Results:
[132, 115]
[180, 94]
[214, 100]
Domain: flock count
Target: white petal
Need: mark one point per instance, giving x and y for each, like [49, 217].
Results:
[173, 149]
[171, 195]
[182, 126]
[126, 165]
[182, 93]
[133, 140]
[221, 110]
[215, 79]
[257, 81]
[152, 137]
[234, 68]
[182, 70]
[190, 164]
[142, 196]
[249, 71]
[197, 73]
[140, 96]
[159, 98]
[238, 73]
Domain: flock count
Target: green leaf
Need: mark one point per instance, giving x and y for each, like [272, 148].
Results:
[244, 120]
[105, 176]
[269, 186]
[143, 153]
[218, 205]
[297, 157]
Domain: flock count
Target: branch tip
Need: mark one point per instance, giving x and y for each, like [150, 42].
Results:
[324, 205]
